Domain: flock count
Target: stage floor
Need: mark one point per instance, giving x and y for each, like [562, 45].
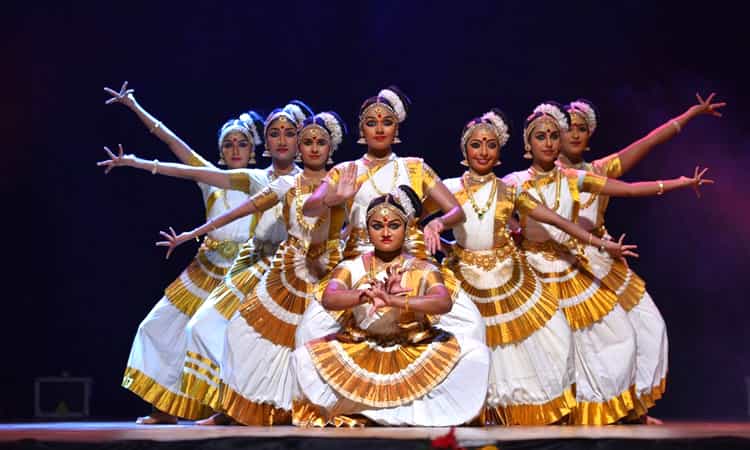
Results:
[467, 436]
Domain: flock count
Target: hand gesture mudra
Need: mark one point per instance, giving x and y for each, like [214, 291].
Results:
[393, 286]
[432, 235]
[125, 96]
[707, 107]
[698, 180]
[619, 250]
[173, 240]
[347, 185]
[118, 160]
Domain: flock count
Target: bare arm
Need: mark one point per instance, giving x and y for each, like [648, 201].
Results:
[337, 297]
[180, 149]
[453, 215]
[437, 300]
[615, 188]
[635, 152]
[327, 196]
[208, 175]
[543, 214]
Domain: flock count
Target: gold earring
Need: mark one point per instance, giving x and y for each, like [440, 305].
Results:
[464, 162]
[527, 154]
[497, 163]
[330, 160]
[361, 139]
[298, 158]
[396, 140]
[587, 149]
[252, 159]
[221, 160]
[266, 153]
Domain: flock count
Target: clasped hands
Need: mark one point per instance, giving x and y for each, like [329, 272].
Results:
[385, 293]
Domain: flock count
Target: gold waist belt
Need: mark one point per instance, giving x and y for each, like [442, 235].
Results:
[484, 259]
[415, 335]
[227, 249]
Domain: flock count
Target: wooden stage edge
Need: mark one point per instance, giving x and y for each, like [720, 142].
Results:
[468, 436]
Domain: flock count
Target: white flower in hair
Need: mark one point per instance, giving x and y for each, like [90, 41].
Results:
[395, 101]
[499, 124]
[296, 112]
[588, 113]
[334, 127]
[555, 112]
[251, 126]
[404, 201]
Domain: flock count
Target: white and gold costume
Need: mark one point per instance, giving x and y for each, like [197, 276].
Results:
[256, 373]
[531, 349]
[393, 367]
[201, 379]
[603, 338]
[155, 366]
[650, 330]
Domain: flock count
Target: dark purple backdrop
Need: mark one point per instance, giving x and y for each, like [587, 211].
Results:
[81, 270]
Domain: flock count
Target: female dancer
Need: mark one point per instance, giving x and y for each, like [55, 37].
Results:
[201, 378]
[379, 171]
[389, 363]
[604, 341]
[155, 364]
[531, 364]
[258, 385]
[649, 326]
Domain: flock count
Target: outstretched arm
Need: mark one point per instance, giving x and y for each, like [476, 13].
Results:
[635, 152]
[543, 214]
[181, 150]
[259, 202]
[616, 188]
[208, 175]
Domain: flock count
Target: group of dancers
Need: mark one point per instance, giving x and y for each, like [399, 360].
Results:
[316, 297]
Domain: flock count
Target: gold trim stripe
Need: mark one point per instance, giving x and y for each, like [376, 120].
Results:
[610, 411]
[530, 414]
[620, 276]
[436, 361]
[201, 390]
[162, 398]
[248, 412]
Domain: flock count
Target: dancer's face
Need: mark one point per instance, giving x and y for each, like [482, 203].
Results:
[236, 149]
[545, 143]
[576, 139]
[281, 140]
[379, 128]
[482, 150]
[386, 230]
[315, 146]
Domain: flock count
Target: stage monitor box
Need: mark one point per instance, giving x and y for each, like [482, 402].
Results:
[62, 397]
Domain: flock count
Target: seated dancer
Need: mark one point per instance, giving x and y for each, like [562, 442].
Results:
[603, 338]
[650, 329]
[155, 364]
[257, 383]
[389, 362]
[379, 171]
[531, 371]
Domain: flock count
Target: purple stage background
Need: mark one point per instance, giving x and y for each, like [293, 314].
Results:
[81, 269]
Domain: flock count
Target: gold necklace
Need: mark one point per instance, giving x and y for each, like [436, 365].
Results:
[481, 211]
[298, 207]
[558, 182]
[372, 273]
[394, 179]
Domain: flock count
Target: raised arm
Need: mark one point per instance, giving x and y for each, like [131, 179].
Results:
[208, 175]
[635, 152]
[181, 150]
[327, 195]
[616, 188]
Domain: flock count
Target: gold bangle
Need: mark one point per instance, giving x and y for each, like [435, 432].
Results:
[661, 188]
[406, 303]
[156, 125]
[156, 167]
[676, 125]
[590, 236]
[197, 239]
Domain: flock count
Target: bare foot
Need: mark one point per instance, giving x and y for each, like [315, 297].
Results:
[157, 418]
[653, 421]
[216, 419]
